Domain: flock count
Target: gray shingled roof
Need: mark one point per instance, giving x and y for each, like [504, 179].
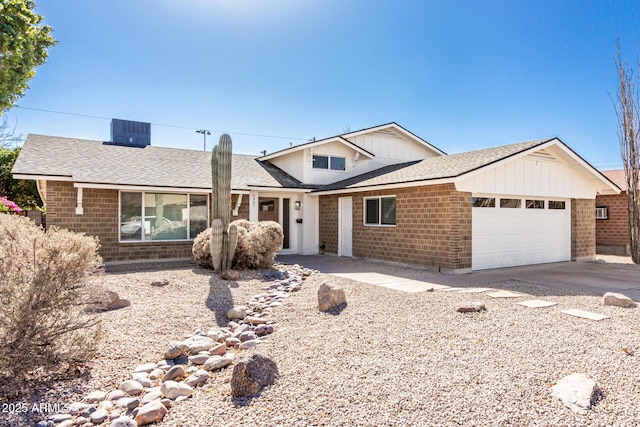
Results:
[98, 163]
[449, 166]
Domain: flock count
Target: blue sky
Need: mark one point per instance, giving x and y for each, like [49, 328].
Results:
[463, 75]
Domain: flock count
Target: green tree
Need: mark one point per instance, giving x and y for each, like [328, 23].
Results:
[24, 41]
[23, 192]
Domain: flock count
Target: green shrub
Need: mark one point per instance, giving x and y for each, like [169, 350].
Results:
[43, 289]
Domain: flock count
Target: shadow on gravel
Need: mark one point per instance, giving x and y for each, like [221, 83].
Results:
[220, 300]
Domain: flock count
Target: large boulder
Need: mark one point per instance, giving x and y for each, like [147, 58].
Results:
[619, 300]
[252, 374]
[576, 391]
[330, 297]
[102, 299]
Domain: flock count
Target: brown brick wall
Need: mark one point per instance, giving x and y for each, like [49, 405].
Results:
[433, 227]
[613, 232]
[100, 218]
[583, 229]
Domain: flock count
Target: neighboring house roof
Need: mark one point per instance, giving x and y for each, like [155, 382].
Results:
[617, 177]
[342, 138]
[94, 162]
[449, 166]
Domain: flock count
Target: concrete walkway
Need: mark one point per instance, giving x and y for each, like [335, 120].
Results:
[586, 278]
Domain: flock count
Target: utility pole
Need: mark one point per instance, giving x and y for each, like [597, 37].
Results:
[204, 133]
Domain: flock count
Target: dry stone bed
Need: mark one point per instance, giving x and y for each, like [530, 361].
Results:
[392, 358]
[155, 387]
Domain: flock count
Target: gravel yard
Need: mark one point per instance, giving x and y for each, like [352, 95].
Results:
[389, 358]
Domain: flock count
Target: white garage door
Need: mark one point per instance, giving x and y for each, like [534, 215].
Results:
[519, 231]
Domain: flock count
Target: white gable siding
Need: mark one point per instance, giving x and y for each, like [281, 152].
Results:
[532, 175]
[292, 163]
[387, 147]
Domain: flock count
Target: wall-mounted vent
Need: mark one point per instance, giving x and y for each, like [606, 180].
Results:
[134, 134]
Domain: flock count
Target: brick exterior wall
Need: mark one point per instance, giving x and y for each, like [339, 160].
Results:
[433, 228]
[583, 229]
[612, 235]
[100, 218]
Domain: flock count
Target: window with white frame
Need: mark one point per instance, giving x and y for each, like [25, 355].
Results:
[329, 163]
[602, 212]
[380, 210]
[149, 216]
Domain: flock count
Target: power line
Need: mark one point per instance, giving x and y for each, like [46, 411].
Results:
[160, 124]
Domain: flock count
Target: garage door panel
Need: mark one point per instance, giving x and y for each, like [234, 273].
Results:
[503, 237]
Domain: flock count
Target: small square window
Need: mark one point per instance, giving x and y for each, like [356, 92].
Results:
[338, 163]
[320, 162]
[483, 202]
[372, 206]
[602, 212]
[535, 204]
[510, 203]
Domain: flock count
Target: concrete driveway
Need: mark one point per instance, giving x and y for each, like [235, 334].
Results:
[591, 278]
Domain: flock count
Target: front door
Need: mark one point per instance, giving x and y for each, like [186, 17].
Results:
[345, 226]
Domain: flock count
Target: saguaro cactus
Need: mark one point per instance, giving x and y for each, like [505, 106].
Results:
[223, 237]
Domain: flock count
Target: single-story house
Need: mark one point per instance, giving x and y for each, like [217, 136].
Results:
[378, 193]
[612, 230]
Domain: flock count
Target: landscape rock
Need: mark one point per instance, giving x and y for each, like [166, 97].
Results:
[198, 343]
[230, 275]
[218, 362]
[150, 413]
[618, 300]
[198, 377]
[103, 299]
[330, 297]
[128, 402]
[232, 342]
[150, 396]
[176, 349]
[576, 391]
[472, 307]
[172, 389]
[115, 395]
[123, 421]
[99, 416]
[239, 312]
[199, 359]
[247, 336]
[147, 367]
[77, 408]
[218, 349]
[95, 396]
[131, 387]
[248, 344]
[174, 372]
[252, 374]
[160, 283]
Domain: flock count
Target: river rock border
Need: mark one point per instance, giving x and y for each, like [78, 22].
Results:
[155, 387]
